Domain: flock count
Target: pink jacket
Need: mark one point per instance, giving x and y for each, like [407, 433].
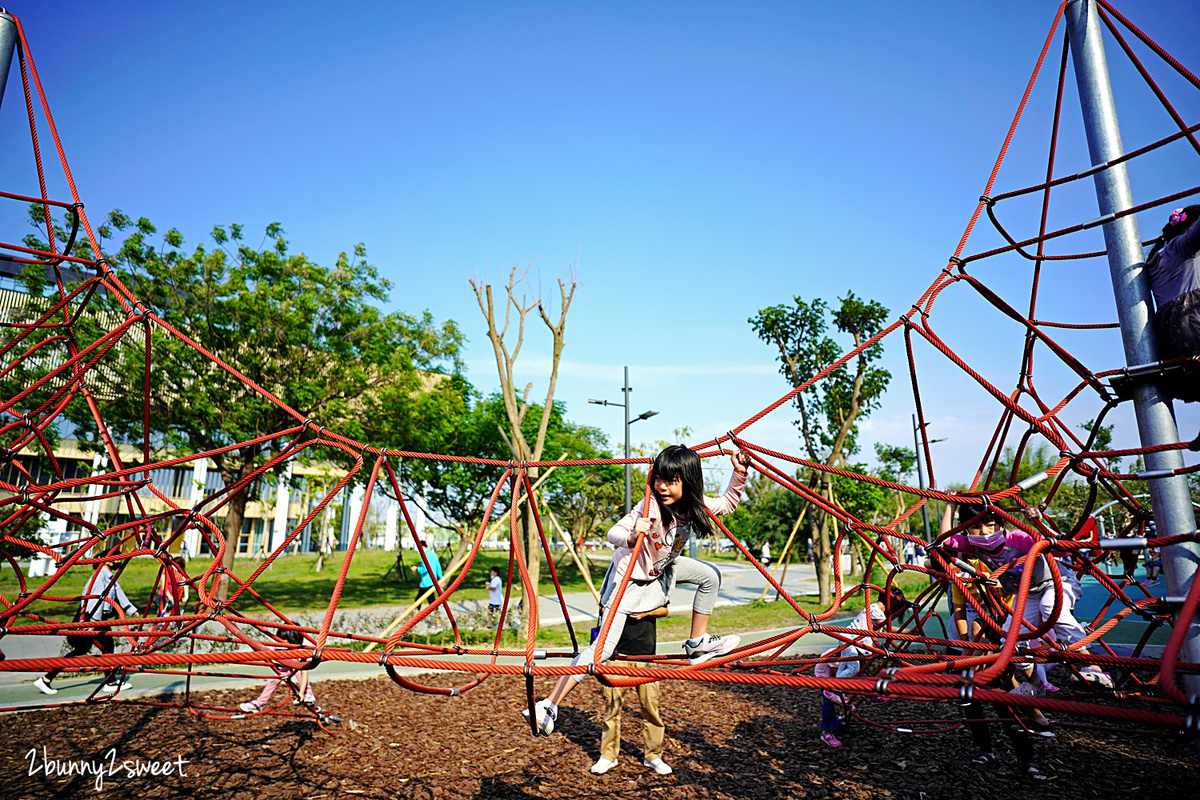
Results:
[618, 534]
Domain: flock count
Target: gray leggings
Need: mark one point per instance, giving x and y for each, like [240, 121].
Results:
[642, 597]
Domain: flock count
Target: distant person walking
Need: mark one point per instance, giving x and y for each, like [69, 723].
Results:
[495, 587]
[101, 597]
[426, 581]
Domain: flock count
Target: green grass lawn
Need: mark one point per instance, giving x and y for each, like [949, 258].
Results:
[291, 585]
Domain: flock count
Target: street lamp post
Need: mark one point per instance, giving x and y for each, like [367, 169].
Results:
[644, 415]
[917, 437]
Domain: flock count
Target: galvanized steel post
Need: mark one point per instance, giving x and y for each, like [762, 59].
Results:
[1126, 263]
[8, 45]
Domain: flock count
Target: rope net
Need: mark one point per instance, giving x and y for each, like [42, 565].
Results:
[924, 664]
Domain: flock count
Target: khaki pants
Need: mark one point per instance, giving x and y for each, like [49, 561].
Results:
[652, 724]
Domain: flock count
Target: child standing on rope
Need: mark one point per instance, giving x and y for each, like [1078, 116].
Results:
[890, 606]
[677, 510]
[1175, 281]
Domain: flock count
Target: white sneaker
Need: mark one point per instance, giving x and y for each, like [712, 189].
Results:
[1096, 677]
[602, 766]
[546, 714]
[44, 686]
[113, 688]
[250, 707]
[710, 647]
[660, 766]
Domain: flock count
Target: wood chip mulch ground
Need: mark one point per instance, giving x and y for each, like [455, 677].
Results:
[723, 742]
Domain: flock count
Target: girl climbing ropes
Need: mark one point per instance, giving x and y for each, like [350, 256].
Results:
[833, 703]
[996, 547]
[1175, 281]
[677, 511]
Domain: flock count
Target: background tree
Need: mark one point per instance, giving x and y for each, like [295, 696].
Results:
[897, 464]
[866, 502]
[308, 334]
[767, 513]
[1036, 457]
[516, 407]
[832, 407]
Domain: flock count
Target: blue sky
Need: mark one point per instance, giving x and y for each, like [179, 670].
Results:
[700, 161]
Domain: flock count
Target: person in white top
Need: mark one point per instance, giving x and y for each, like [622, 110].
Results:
[101, 597]
[495, 587]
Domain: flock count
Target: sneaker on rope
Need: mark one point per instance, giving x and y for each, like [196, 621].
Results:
[1047, 688]
[710, 646]
[546, 715]
[250, 707]
[1095, 676]
[44, 686]
[1039, 728]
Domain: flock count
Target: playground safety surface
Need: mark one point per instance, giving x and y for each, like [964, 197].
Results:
[724, 741]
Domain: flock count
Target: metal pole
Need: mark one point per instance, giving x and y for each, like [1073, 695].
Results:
[1126, 263]
[921, 476]
[8, 44]
[626, 391]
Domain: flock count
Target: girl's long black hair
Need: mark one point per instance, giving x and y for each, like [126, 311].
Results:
[680, 462]
[1170, 231]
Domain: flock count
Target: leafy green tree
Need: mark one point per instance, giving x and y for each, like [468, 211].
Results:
[1037, 457]
[897, 464]
[831, 408]
[310, 335]
[581, 497]
[767, 513]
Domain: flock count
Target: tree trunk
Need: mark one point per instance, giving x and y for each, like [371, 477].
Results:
[822, 554]
[325, 538]
[234, 516]
[533, 559]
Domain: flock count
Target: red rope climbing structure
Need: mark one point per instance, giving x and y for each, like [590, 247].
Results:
[911, 657]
